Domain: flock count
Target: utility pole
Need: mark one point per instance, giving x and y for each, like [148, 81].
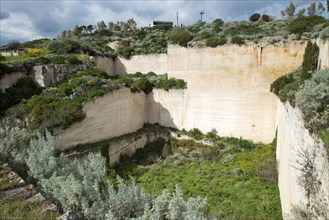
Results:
[177, 19]
[201, 13]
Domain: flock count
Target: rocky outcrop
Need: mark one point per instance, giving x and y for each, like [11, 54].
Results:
[45, 75]
[7, 80]
[303, 167]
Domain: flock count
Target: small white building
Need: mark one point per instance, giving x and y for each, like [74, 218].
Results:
[9, 53]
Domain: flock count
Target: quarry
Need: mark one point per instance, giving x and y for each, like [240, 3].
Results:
[215, 121]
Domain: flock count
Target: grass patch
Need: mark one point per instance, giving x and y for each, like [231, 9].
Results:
[19, 208]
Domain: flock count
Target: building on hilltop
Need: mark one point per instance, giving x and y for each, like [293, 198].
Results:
[157, 24]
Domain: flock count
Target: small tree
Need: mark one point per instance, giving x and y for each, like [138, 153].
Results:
[63, 34]
[289, 11]
[311, 10]
[320, 9]
[254, 17]
[301, 13]
[310, 60]
[266, 18]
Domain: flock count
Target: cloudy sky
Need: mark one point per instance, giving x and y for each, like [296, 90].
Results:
[23, 20]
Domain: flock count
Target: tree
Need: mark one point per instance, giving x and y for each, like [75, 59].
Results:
[132, 24]
[310, 61]
[110, 26]
[311, 10]
[321, 8]
[289, 11]
[301, 13]
[266, 18]
[90, 28]
[328, 8]
[64, 34]
[101, 26]
[254, 17]
[76, 30]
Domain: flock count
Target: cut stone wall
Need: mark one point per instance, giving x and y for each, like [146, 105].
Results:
[228, 87]
[105, 63]
[45, 75]
[116, 113]
[293, 141]
[7, 80]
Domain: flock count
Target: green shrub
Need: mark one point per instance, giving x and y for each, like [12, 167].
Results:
[215, 41]
[254, 17]
[324, 34]
[203, 35]
[63, 47]
[180, 36]
[15, 45]
[71, 59]
[310, 60]
[142, 85]
[237, 40]
[125, 51]
[59, 59]
[217, 24]
[171, 83]
[305, 24]
[24, 88]
[244, 29]
[266, 18]
[100, 74]
[313, 100]
[281, 82]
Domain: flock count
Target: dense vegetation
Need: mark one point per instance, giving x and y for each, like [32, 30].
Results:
[238, 177]
[82, 187]
[308, 90]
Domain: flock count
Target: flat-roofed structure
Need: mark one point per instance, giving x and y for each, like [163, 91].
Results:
[156, 24]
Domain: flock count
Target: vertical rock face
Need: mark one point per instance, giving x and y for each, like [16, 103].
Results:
[45, 75]
[323, 53]
[7, 80]
[105, 63]
[228, 87]
[115, 114]
[301, 157]
[235, 112]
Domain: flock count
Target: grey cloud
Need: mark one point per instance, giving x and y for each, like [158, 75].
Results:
[4, 15]
[49, 18]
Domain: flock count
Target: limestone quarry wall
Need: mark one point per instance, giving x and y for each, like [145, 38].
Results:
[129, 145]
[7, 80]
[293, 141]
[323, 53]
[105, 63]
[116, 113]
[246, 113]
[44, 75]
[228, 87]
